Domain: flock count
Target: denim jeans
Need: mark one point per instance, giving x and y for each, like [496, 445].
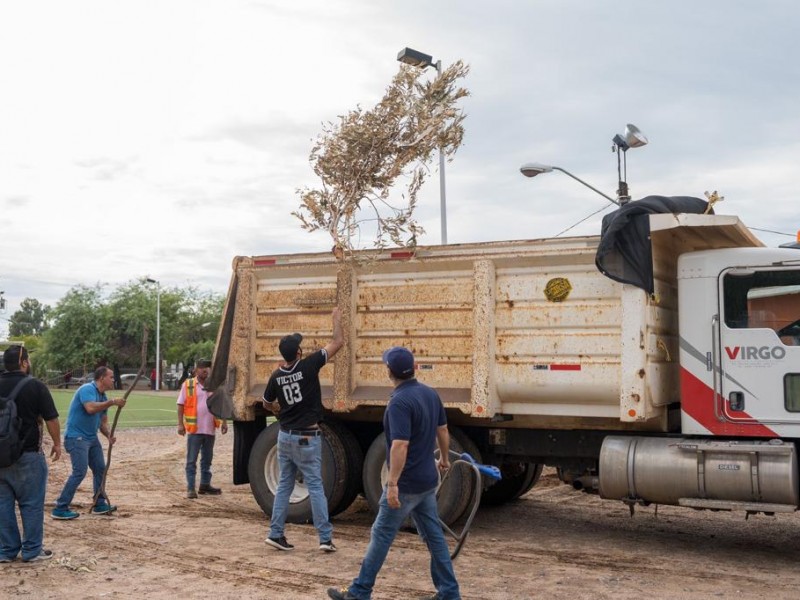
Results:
[422, 508]
[84, 454]
[202, 444]
[23, 483]
[308, 459]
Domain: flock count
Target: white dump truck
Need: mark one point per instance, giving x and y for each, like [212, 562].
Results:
[682, 390]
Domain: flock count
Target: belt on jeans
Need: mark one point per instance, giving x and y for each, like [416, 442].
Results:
[303, 432]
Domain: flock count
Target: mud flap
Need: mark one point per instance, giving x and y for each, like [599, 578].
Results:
[244, 435]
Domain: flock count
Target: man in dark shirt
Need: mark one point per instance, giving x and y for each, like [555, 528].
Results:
[294, 393]
[25, 481]
[414, 423]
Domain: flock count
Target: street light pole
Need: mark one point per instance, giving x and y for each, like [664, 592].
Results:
[415, 58]
[534, 169]
[158, 332]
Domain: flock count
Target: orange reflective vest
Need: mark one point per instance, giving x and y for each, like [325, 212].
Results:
[190, 407]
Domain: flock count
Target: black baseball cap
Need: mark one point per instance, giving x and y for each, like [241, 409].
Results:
[289, 345]
[13, 357]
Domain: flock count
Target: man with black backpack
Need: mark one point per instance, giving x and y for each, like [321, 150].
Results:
[23, 468]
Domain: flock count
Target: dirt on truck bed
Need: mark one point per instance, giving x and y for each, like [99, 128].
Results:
[552, 543]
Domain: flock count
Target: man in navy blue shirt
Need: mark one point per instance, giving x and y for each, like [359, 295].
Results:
[414, 423]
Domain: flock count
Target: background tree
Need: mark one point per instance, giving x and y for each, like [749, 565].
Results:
[88, 331]
[30, 319]
[360, 158]
[196, 327]
[79, 334]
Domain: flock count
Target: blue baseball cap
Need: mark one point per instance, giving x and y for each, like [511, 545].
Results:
[399, 360]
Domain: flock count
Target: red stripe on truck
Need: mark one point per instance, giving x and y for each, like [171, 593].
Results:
[697, 401]
[264, 262]
[565, 367]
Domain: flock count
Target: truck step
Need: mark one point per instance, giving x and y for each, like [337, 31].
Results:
[736, 505]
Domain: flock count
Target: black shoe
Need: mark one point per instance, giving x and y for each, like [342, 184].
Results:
[279, 543]
[342, 594]
[327, 546]
[207, 488]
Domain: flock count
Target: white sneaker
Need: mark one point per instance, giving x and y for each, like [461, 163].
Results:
[43, 555]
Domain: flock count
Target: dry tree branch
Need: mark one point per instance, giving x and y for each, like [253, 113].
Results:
[360, 157]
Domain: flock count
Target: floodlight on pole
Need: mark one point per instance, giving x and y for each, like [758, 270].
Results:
[533, 169]
[418, 59]
[158, 332]
[631, 138]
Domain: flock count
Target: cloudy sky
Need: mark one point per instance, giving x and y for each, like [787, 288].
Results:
[162, 138]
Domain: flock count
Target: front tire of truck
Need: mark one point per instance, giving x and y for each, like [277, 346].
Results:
[453, 496]
[264, 473]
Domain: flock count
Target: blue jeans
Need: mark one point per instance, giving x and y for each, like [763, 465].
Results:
[84, 454]
[422, 508]
[308, 459]
[23, 483]
[202, 444]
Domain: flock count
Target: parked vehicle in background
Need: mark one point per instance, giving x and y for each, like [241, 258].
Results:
[128, 378]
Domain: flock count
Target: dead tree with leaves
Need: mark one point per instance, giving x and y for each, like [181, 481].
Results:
[360, 157]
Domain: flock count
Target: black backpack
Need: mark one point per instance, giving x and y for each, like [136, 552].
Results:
[10, 425]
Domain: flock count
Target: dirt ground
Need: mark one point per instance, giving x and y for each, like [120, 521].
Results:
[552, 543]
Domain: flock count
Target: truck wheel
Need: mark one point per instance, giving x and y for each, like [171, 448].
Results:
[536, 472]
[518, 478]
[354, 461]
[453, 497]
[264, 473]
[374, 472]
[460, 442]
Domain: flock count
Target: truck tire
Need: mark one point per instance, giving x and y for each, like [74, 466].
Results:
[460, 442]
[264, 473]
[536, 472]
[518, 478]
[453, 497]
[354, 464]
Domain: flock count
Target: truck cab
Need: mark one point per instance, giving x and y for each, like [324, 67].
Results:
[740, 342]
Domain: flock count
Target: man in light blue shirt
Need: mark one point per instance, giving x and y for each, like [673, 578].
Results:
[87, 414]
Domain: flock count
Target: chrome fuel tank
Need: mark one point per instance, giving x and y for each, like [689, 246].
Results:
[695, 472]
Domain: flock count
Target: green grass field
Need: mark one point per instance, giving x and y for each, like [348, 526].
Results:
[143, 409]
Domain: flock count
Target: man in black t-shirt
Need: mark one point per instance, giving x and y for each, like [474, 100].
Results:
[293, 392]
[25, 481]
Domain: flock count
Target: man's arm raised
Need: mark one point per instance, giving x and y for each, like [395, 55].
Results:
[337, 342]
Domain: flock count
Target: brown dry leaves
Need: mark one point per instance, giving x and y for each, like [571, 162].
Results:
[360, 157]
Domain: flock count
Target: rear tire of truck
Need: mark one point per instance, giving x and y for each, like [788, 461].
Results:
[264, 474]
[460, 442]
[350, 476]
[518, 479]
[453, 497]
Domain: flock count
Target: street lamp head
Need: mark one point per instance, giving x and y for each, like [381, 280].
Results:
[415, 58]
[533, 169]
[148, 280]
